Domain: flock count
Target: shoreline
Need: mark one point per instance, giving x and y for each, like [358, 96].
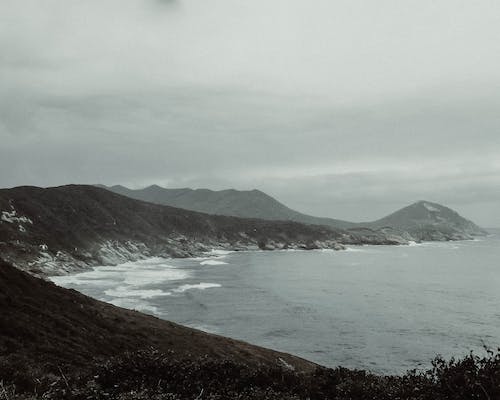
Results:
[205, 254]
[201, 277]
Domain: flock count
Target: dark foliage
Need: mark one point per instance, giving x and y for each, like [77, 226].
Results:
[154, 375]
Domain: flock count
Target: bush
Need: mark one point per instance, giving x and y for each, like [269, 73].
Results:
[154, 375]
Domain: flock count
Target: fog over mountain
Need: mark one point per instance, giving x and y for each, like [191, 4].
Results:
[344, 109]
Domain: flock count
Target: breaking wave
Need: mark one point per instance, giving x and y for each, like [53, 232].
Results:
[200, 286]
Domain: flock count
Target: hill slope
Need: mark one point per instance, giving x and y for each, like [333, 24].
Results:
[425, 220]
[57, 229]
[415, 222]
[47, 324]
[237, 203]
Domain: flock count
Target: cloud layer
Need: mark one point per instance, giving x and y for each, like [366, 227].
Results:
[338, 108]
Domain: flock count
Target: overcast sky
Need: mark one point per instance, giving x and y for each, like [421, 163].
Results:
[348, 109]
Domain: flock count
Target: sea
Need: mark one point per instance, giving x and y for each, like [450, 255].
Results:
[386, 309]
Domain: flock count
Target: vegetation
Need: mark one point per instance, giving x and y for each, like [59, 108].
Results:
[151, 374]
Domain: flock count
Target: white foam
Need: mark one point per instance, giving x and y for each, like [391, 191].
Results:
[95, 277]
[142, 276]
[219, 252]
[152, 261]
[130, 291]
[213, 262]
[200, 286]
[138, 273]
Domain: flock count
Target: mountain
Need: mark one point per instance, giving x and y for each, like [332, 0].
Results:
[237, 203]
[53, 230]
[423, 220]
[62, 229]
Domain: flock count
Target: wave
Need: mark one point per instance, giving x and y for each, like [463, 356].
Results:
[199, 286]
[129, 291]
[102, 277]
[138, 273]
[212, 262]
[140, 277]
[219, 252]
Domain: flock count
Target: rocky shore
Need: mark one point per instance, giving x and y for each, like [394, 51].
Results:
[72, 228]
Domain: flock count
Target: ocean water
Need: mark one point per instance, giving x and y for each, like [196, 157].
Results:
[381, 308]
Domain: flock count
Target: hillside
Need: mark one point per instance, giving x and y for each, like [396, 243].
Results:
[420, 221]
[53, 325]
[53, 230]
[237, 203]
[62, 229]
[425, 220]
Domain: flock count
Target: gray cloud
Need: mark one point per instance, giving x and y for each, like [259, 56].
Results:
[338, 108]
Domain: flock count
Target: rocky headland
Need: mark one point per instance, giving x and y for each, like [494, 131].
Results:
[51, 231]
[70, 228]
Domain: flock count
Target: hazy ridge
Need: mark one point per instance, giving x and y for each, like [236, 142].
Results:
[422, 220]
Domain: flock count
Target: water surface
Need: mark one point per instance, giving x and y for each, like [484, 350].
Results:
[381, 308]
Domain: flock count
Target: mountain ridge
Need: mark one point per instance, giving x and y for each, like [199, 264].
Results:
[67, 228]
[216, 202]
[257, 204]
[74, 227]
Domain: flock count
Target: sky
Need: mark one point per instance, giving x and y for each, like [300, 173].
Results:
[341, 108]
